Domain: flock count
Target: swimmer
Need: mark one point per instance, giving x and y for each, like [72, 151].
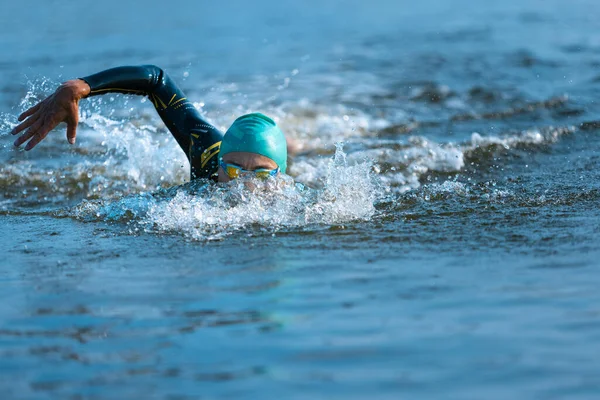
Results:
[253, 144]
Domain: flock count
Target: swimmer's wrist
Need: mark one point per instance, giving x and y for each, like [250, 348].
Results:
[78, 88]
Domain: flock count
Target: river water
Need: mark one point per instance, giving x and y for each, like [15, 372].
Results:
[436, 237]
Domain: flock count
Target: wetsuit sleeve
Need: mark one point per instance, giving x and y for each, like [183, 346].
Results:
[199, 139]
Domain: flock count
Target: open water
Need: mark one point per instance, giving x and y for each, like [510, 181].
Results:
[437, 236]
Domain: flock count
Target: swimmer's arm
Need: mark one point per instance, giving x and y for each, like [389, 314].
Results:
[191, 131]
[179, 115]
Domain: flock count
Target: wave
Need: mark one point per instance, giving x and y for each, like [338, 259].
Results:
[403, 164]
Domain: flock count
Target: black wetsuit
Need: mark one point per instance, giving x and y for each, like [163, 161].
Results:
[199, 140]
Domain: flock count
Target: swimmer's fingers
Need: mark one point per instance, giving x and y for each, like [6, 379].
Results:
[36, 139]
[72, 123]
[40, 133]
[24, 125]
[71, 132]
[30, 111]
[29, 133]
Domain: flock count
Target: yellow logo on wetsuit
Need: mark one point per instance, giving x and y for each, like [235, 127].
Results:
[209, 153]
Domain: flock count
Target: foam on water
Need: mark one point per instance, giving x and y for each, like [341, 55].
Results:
[405, 164]
[312, 127]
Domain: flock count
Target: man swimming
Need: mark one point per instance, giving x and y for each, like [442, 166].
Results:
[252, 145]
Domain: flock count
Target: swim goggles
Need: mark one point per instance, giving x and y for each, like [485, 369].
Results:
[233, 171]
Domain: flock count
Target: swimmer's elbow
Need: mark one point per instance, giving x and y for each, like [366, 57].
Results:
[155, 75]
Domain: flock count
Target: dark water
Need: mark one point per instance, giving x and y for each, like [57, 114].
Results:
[446, 249]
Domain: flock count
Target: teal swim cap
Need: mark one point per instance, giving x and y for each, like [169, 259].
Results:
[256, 133]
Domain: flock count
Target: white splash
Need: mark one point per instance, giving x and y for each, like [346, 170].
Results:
[205, 211]
[136, 151]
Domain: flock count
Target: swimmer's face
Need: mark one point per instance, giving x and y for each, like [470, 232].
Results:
[248, 161]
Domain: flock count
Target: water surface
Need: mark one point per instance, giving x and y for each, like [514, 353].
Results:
[435, 238]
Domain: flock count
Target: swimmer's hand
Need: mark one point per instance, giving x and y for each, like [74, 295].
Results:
[60, 106]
